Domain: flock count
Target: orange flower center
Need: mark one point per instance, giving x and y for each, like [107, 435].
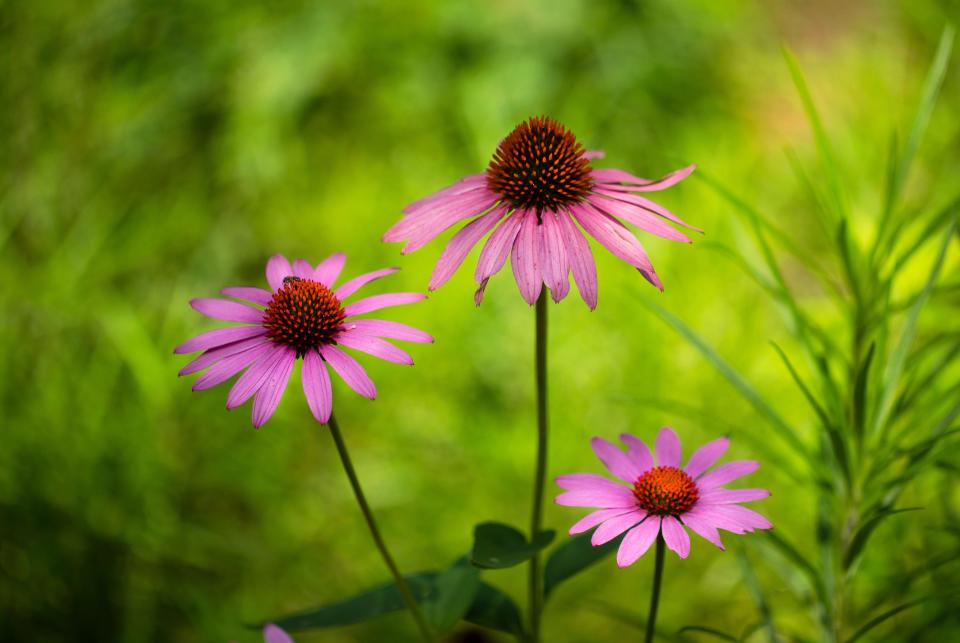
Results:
[303, 315]
[540, 166]
[665, 491]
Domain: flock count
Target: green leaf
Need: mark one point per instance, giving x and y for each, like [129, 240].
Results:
[493, 609]
[877, 620]
[723, 636]
[572, 557]
[798, 560]
[763, 606]
[454, 591]
[362, 607]
[863, 533]
[496, 545]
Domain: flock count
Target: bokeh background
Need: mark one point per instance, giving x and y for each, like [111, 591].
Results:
[154, 152]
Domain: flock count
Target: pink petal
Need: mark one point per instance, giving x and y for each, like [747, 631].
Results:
[230, 366]
[349, 371]
[642, 185]
[253, 295]
[676, 536]
[617, 239]
[329, 269]
[637, 541]
[593, 154]
[618, 462]
[277, 269]
[302, 269]
[219, 337]
[376, 302]
[268, 397]
[668, 448]
[639, 452]
[594, 518]
[587, 481]
[389, 329]
[373, 346]
[646, 204]
[595, 492]
[460, 245]
[581, 260]
[352, 286]
[732, 518]
[704, 457]
[702, 528]
[273, 634]
[253, 378]
[727, 472]
[613, 527]
[434, 224]
[465, 185]
[638, 217]
[316, 386]
[717, 496]
[497, 248]
[227, 310]
[553, 256]
[214, 355]
[526, 258]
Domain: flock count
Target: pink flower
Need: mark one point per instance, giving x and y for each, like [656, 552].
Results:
[302, 316]
[537, 189]
[660, 497]
[274, 634]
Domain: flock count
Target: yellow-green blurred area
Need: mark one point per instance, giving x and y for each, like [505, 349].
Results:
[155, 152]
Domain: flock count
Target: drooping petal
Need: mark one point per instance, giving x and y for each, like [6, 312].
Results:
[637, 541]
[227, 310]
[638, 217]
[214, 355]
[635, 183]
[581, 260]
[460, 245]
[594, 518]
[526, 258]
[497, 248]
[373, 346]
[668, 448]
[613, 236]
[329, 269]
[704, 457]
[388, 329]
[719, 496]
[316, 386]
[553, 256]
[219, 337]
[273, 634]
[676, 536]
[618, 462]
[349, 370]
[277, 269]
[639, 452]
[593, 154]
[268, 397]
[302, 269]
[253, 378]
[441, 212]
[376, 302]
[435, 224]
[465, 185]
[230, 366]
[248, 293]
[727, 472]
[732, 518]
[613, 527]
[348, 288]
[702, 528]
[646, 204]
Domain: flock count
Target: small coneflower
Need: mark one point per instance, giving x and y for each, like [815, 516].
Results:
[302, 316]
[660, 497]
[274, 634]
[538, 197]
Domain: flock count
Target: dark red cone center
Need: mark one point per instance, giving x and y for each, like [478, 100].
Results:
[303, 315]
[665, 491]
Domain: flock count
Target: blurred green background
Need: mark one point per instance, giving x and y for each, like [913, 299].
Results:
[154, 152]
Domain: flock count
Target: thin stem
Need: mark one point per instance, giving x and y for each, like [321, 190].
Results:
[536, 516]
[375, 532]
[655, 597]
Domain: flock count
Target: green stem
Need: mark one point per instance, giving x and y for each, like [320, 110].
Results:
[536, 517]
[375, 532]
[655, 597]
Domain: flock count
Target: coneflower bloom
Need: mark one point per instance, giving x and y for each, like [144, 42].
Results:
[274, 634]
[538, 196]
[660, 497]
[302, 316]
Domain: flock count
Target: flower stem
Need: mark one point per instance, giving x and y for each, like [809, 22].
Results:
[655, 597]
[375, 532]
[535, 583]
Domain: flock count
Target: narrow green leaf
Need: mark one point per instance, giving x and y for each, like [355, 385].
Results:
[493, 609]
[804, 566]
[877, 620]
[454, 591]
[367, 605]
[756, 591]
[864, 531]
[496, 545]
[572, 557]
[859, 410]
[723, 636]
[784, 430]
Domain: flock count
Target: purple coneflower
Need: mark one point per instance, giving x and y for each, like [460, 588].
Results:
[537, 194]
[660, 497]
[274, 634]
[301, 316]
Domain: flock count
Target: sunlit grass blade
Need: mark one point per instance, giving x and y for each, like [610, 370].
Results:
[709, 631]
[863, 533]
[884, 616]
[756, 591]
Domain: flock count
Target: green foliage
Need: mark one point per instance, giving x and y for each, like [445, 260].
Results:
[496, 546]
